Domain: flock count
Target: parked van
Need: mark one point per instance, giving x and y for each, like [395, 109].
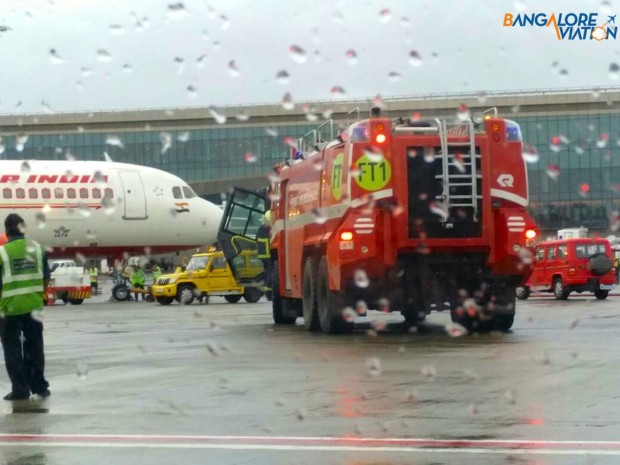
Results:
[571, 265]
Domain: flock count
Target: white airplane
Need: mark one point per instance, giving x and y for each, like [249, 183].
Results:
[105, 209]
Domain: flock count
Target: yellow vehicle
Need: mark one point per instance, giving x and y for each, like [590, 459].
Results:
[208, 274]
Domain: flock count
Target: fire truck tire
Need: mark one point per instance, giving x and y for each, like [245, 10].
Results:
[330, 304]
[600, 264]
[252, 294]
[311, 316]
[559, 290]
[76, 301]
[601, 294]
[165, 300]
[185, 295]
[233, 298]
[523, 292]
[282, 308]
[503, 322]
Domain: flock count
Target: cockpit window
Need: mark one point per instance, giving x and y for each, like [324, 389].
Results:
[176, 192]
[189, 193]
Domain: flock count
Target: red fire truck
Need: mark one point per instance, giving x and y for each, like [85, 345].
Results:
[395, 215]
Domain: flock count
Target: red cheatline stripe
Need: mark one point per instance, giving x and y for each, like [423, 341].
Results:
[316, 441]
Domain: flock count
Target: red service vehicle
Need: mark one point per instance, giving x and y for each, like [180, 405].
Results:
[402, 215]
[572, 263]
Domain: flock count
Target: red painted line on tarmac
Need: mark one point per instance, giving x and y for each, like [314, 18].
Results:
[302, 442]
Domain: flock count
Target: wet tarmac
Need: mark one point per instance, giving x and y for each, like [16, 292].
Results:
[138, 383]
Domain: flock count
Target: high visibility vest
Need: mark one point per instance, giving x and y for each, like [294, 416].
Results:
[22, 277]
[137, 277]
[93, 275]
[156, 274]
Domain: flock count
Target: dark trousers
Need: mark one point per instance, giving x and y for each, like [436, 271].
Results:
[25, 363]
[94, 287]
[136, 294]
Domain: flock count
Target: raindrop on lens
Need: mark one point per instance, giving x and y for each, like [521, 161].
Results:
[41, 220]
[287, 101]
[394, 76]
[360, 279]
[192, 92]
[282, 77]
[373, 366]
[614, 71]
[319, 216]
[55, 58]
[351, 56]
[217, 115]
[530, 153]
[25, 167]
[82, 370]
[116, 29]
[297, 53]
[337, 90]
[176, 11]
[250, 158]
[127, 68]
[385, 15]
[232, 69]
[166, 141]
[86, 71]
[183, 136]
[415, 59]
[20, 142]
[104, 56]
[114, 141]
[463, 113]
[553, 171]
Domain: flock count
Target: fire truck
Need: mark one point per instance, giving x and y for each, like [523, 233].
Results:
[402, 215]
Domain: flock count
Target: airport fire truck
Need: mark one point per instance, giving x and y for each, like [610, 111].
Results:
[402, 215]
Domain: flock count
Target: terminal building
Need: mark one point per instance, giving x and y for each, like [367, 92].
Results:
[572, 137]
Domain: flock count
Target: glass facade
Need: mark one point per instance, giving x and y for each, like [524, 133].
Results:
[574, 180]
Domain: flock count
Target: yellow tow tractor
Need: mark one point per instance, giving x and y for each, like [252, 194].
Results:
[208, 274]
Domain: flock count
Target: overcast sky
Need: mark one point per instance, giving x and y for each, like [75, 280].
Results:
[154, 47]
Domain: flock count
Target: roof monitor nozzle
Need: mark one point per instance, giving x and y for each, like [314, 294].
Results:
[375, 112]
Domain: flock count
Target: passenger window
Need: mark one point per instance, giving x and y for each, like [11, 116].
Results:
[176, 192]
[83, 193]
[540, 253]
[218, 263]
[109, 193]
[71, 194]
[33, 193]
[563, 251]
[46, 193]
[7, 193]
[580, 251]
[96, 193]
[20, 193]
[59, 193]
[189, 193]
[551, 253]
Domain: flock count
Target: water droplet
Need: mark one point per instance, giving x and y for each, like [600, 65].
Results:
[55, 58]
[283, 77]
[385, 15]
[429, 154]
[114, 141]
[192, 92]
[337, 91]
[290, 142]
[361, 308]
[530, 153]
[373, 366]
[602, 141]
[250, 157]
[360, 279]
[116, 29]
[40, 220]
[82, 370]
[86, 71]
[459, 162]
[232, 69]
[440, 209]
[584, 189]
[25, 167]
[455, 330]
[2, 147]
[242, 116]
[127, 68]
[415, 59]
[351, 56]
[180, 64]
[429, 372]
[176, 11]
[394, 76]
[463, 113]
[319, 216]
[166, 141]
[217, 115]
[378, 325]
[225, 22]
[301, 414]
[564, 73]
[84, 210]
[200, 61]
[20, 142]
[273, 132]
[287, 101]
[406, 22]
[553, 171]
[297, 53]
[183, 136]
[104, 56]
[348, 315]
[473, 409]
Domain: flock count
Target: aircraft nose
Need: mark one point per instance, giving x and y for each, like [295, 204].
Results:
[210, 217]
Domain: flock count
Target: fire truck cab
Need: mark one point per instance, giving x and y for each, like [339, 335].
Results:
[394, 215]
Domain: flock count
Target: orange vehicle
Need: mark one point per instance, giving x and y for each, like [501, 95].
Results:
[574, 264]
[397, 215]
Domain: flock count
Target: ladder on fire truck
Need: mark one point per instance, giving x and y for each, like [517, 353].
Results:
[461, 165]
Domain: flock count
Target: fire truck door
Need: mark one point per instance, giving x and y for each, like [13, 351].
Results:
[242, 217]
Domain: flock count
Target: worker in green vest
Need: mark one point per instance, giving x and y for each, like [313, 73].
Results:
[156, 270]
[137, 281]
[94, 273]
[25, 273]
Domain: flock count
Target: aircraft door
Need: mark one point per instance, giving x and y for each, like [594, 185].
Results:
[133, 193]
[242, 216]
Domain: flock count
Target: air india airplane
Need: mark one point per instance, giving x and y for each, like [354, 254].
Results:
[105, 209]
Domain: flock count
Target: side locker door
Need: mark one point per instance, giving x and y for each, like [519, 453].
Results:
[242, 216]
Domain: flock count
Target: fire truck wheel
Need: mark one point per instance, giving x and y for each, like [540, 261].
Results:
[233, 298]
[252, 294]
[330, 304]
[559, 290]
[164, 300]
[523, 292]
[600, 264]
[282, 307]
[601, 294]
[311, 316]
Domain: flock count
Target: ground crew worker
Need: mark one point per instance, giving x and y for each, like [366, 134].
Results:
[156, 270]
[93, 279]
[137, 281]
[25, 274]
[264, 252]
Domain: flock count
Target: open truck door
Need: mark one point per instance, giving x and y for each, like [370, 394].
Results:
[242, 217]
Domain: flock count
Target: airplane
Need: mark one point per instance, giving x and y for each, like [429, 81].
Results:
[5, 29]
[611, 19]
[105, 209]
